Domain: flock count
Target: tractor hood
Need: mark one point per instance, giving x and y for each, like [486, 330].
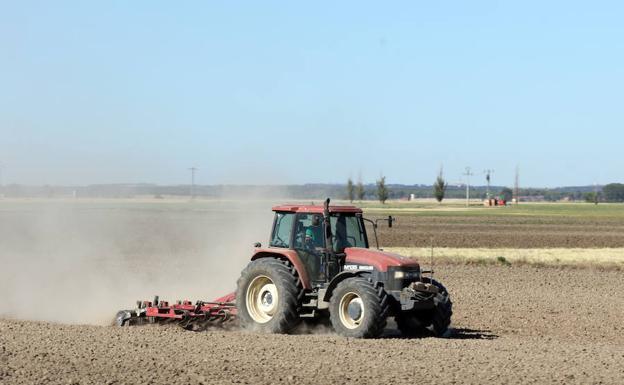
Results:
[380, 260]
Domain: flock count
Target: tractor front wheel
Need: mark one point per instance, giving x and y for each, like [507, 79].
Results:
[268, 296]
[435, 321]
[358, 309]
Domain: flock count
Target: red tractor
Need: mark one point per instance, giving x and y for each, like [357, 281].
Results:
[318, 267]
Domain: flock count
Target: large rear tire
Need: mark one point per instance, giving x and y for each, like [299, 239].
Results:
[435, 321]
[358, 309]
[268, 296]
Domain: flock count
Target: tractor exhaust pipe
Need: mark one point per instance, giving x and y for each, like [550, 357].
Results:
[332, 264]
[329, 241]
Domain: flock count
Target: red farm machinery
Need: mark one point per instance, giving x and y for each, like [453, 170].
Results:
[318, 267]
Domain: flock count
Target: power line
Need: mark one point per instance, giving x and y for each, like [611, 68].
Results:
[517, 185]
[192, 192]
[468, 174]
[488, 176]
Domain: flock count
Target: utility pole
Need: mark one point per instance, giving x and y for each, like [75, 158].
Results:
[468, 174]
[488, 174]
[517, 185]
[193, 169]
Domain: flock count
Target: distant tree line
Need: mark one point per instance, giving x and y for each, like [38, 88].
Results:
[440, 190]
[613, 192]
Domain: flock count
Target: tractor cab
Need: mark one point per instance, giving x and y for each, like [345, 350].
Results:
[304, 230]
[301, 227]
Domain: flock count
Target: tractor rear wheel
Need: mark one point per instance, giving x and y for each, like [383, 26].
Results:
[436, 320]
[268, 296]
[358, 309]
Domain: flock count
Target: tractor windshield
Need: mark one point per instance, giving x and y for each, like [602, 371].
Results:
[348, 231]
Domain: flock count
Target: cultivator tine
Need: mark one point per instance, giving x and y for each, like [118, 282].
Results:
[186, 322]
[225, 315]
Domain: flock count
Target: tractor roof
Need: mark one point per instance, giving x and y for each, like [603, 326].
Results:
[316, 209]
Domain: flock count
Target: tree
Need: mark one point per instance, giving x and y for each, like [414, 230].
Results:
[439, 187]
[591, 197]
[350, 190]
[507, 194]
[613, 192]
[359, 189]
[382, 190]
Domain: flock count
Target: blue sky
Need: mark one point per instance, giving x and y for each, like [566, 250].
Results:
[267, 92]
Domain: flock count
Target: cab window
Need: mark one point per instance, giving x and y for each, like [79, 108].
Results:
[309, 231]
[282, 230]
[347, 231]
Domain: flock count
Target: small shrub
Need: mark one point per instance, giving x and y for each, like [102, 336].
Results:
[503, 261]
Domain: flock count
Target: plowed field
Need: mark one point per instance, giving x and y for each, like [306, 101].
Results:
[511, 325]
[76, 263]
[503, 232]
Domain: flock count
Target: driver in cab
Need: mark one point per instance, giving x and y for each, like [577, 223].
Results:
[309, 241]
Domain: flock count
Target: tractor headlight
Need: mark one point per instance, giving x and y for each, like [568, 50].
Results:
[412, 275]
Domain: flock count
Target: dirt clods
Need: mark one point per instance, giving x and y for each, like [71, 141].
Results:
[511, 325]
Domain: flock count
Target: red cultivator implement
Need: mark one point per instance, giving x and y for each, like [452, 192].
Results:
[190, 316]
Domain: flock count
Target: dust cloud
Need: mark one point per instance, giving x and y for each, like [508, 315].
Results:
[79, 262]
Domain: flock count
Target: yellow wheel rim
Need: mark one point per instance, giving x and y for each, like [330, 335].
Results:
[262, 299]
[351, 319]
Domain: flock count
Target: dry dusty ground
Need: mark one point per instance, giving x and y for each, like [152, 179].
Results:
[514, 324]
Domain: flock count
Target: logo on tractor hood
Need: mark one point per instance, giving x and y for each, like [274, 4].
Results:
[358, 267]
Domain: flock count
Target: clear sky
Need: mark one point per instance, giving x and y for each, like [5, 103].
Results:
[296, 92]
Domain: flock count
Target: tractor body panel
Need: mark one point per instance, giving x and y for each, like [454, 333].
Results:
[288, 254]
[380, 260]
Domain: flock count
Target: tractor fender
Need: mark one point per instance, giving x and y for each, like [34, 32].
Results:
[339, 278]
[285, 254]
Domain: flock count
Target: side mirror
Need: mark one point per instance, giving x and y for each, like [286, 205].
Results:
[390, 220]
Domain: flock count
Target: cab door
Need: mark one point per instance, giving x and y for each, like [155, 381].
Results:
[308, 242]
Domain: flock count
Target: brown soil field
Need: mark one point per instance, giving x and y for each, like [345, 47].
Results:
[516, 324]
[503, 232]
[77, 263]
